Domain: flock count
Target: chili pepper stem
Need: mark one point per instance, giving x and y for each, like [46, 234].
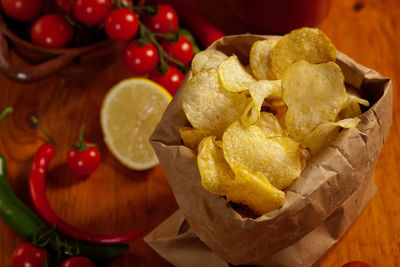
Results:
[49, 138]
[7, 111]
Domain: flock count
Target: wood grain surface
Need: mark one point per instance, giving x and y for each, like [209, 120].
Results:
[115, 199]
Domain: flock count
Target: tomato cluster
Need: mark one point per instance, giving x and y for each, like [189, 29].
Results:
[155, 48]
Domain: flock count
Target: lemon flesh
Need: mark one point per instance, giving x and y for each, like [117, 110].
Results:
[129, 114]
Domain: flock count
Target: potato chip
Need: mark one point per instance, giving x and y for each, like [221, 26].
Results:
[250, 114]
[233, 75]
[259, 58]
[273, 103]
[208, 106]
[254, 190]
[215, 172]
[276, 107]
[207, 59]
[354, 95]
[277, 158]
[260, 90]
[269, 124]
[241, 186]
[313, 93]
[308, 44]
[351, 107]
[192, 137]
[324, 133]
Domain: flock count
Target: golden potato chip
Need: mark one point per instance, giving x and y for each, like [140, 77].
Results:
[276, 107]
[208, 106]
[313, 93]
[207, 59]
[260, 90]
[215, 172]
[308, 44]
[273, 103]
[192, 137]
[269, 124]
[351, 107]
[233, 75]
[254, 190]
[324, 133]
[277, 158]
[354, 95]
[279, 112]
[241, 186]
[259, 58]
[250, 114]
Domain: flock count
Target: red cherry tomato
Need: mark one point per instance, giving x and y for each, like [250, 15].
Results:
[78, 262]
[52, 30]
[181, 50]
[91, 11]
[164, 21]
[29, 255]
[22, 10]
[171, 80]
[356, 264]
[83, 162]
[127, 3]
[140, 59]
[121, 24]
[64, 5]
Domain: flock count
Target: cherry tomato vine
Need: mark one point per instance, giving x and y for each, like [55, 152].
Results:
[155, 41]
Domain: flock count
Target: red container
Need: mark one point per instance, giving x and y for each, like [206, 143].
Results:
[261, 16]
[280, 16]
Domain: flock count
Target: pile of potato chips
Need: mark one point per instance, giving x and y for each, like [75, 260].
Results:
[255, 126]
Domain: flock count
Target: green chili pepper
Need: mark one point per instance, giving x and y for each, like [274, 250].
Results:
[26, 223]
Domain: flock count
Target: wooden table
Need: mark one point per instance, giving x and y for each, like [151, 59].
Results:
[115, 199]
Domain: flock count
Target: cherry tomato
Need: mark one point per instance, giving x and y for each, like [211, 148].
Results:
[22, 10]
[83, 161]
[140, 59]
[121, 24]
[356, 264]
[29, 255]
[171, 80]
[127, 3]
[64, 5]
[52, 30]
[164, 21]
[181, 50]
[91, 11]
[78, 262]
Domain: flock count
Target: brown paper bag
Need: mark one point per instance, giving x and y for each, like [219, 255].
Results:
[320, 205]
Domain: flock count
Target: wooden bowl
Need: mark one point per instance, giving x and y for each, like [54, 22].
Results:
[23, 61]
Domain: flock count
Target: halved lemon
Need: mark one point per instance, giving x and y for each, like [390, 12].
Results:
[129, 113]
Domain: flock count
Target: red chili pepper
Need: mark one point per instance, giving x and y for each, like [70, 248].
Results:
[204, 31]
[37, 189]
